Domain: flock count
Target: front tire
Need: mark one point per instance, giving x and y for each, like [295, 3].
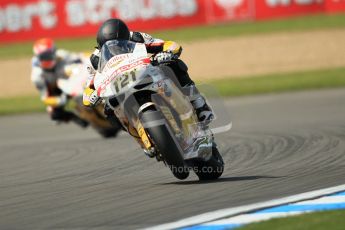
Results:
[164, 142]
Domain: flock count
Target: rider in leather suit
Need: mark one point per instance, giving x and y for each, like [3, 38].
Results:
[164, 52]
[48, 65]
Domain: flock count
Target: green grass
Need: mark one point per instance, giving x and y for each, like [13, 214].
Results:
[302, 23]
[199, 33]
[23, 104]
[275, 83]
[330, 220]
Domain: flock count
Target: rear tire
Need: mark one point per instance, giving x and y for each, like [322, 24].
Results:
[211, 169]
[164, 142]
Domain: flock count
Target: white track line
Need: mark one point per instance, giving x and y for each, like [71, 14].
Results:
[249, 218]
[325, 200]
[228, 212]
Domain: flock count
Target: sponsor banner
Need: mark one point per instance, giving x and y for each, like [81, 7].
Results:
[26, 20]
[266, 9]
[229, 10]
[334, 5]
[22, 20]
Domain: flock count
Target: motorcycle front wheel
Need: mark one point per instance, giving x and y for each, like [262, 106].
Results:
[165, 144]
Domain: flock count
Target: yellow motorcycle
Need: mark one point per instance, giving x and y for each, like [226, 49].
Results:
[73, 87]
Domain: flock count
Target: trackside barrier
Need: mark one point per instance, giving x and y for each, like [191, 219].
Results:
[26, 20]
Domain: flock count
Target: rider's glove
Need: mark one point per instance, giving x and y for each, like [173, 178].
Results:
[90, 97]
[164, 57]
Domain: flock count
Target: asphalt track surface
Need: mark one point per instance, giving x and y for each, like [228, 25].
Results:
[62, 177]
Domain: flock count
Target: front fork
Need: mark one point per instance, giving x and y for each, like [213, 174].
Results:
[136, 128]
[139, 126]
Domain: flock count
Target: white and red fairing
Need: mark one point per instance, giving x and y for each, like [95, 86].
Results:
[117, 67]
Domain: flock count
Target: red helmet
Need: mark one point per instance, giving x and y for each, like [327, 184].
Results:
[44, 49]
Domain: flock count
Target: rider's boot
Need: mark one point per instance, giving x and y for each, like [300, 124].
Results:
[202, 109]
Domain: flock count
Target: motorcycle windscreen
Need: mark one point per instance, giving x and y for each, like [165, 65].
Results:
[222, 120]
[113, 48]
[193, 139]
[178, 113]
[221, 124]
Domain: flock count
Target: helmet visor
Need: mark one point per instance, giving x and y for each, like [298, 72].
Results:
[47, 56]
[47, 59]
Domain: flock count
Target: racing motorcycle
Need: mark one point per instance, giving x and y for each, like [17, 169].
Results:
[154, 109]
[73, 87]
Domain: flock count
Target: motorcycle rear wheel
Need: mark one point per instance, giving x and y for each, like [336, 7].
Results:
[211, 169]
[108, 132]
